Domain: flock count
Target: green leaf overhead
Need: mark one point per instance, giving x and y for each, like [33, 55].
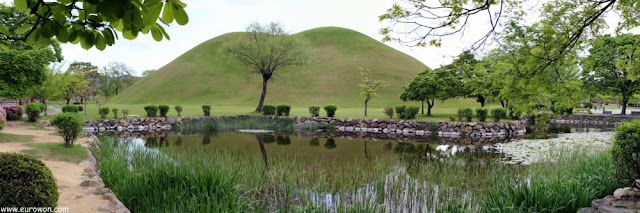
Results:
[73, 21]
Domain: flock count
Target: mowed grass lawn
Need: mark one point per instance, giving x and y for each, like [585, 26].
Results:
[438, 113]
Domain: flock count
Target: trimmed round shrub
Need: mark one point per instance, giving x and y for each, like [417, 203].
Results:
[314, 111]
[33, 111]
[69, 125]
[269, 110]
[152, 110]
[103, 111]
[80, 108]
[178, 110]
[465, 114]
[283, 110]
[388, 111]
[330, 109]
[115, 113]
[400, 111]
[13, 112]
[125, 113]
[452, 118]
[481, 113]
[498, 113]
[626, 159]
[411, 112]
[25, 181]
[70, 108]
[164, 109]
[206, 109]
[3, 118]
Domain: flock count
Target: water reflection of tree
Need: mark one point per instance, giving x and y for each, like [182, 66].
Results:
[330, 144]
[156, 142]
[267, 138]
[206, 139]
[416, 156]
[179, 141]
[261, 138]
[283, 140]
[314, 141]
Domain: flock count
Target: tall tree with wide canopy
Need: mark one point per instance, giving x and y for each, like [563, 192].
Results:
[429, 85]
[120, 73]
[267, 49]
[610, 64]
[91, 22]
[23, 66]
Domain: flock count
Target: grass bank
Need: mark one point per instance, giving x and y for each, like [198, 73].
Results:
[57, 151]
[201, 179]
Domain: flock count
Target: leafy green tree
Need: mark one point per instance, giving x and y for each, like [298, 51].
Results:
[267, 49]
[72, 84]
[120, 73]
[92, 22]
[369, 87]
[569, 22]
[429, 85]
[50, 88]
[91, 74]
[609, 66]
[23, 66]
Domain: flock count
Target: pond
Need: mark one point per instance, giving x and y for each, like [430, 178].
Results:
[333, 170]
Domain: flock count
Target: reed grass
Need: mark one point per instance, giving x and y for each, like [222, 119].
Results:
[200, 180]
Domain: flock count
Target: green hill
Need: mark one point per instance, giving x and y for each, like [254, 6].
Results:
[205, 74]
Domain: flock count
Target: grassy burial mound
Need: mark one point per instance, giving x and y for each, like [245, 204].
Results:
[206, 74]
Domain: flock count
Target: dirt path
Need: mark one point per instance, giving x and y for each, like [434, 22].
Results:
[68, 175]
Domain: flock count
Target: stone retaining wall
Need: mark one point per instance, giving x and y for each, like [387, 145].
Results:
[606, 120]
[411, 128]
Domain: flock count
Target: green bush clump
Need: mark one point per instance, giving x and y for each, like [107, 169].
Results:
[514, 113]
[465, 114]
[314, 111]
[206, 109]
[434, 127]
[25, 181]
[498, 113]
[330, 109]
[388, 111]
[481, 113]
[400, 111]
[70, 108]
[269, 110]
[283, 110]
[115, 113]
[626, 159]
[152, 110]
[164, 109]
[178, 110]
[452, 118]
[411, 112]
[103, 111]
[80, 108]
[125, 113]
[33, 111]
[69, 125]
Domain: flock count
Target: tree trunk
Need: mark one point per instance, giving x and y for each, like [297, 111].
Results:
[481, 100]
[68, 99]
[423, 107]
[264, 93]
[45, 106]
[624, 105]
[365, 107]
[117, 90]
[430, 105]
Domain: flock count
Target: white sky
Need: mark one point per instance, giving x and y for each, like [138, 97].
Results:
[211, 18]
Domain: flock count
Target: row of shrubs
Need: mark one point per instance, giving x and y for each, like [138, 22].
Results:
[402, 111]
[466, 114]
[284, 110]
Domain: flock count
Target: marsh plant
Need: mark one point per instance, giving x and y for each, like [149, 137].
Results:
[411, 180]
